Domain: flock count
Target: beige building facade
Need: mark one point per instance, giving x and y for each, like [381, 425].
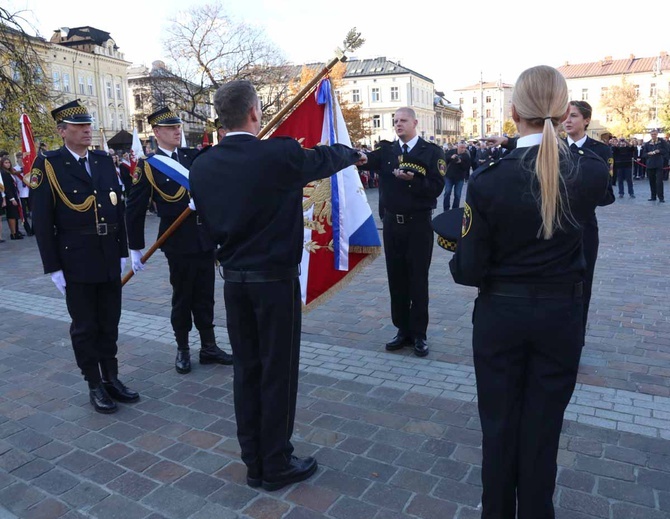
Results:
[486, 106]
[85, 63]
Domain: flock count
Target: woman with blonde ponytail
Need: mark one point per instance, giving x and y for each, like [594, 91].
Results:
[521, 245]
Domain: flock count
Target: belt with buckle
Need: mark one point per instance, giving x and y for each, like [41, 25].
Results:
[406, 218]
[102, 229]
[537, 291]
[260, 276]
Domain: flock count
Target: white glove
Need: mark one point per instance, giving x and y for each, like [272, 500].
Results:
[136, 260]
[123, 265]
[191, 205]
[59, 280]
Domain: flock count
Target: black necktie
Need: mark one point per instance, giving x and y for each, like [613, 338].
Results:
[175, 156]
[82, 163]
[405, 148]
[574, 147]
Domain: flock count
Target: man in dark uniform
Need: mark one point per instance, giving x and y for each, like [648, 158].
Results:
[655, 152]
[189, 251]
[409, 200]
[78, 221]
[249, 194]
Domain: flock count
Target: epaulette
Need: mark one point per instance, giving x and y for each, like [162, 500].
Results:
[383, 143]
[204, 149]
[99, 152]
[484, 168]
[51, 153]
[436, 145]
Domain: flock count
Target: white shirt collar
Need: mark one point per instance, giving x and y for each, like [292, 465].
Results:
[230, 134]
[579, 143]
[77, 156]
[410, 143]
[529, 140]
[168, 153]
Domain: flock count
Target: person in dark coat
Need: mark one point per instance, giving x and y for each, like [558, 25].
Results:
[655, 151]
[12, 199]
[575, 125]
[249, 196]
[458, 167]
[623, 155]
[78, 220]
[409, 200]
[189, 250]
[521, 246]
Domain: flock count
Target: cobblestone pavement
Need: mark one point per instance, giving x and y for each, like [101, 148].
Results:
[395, 436]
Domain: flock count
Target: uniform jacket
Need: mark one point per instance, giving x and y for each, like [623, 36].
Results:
[502, 220]
[10, 186]
[402, 196]
[190, 237]
[83, 258]
[249, 193]
[657, 159]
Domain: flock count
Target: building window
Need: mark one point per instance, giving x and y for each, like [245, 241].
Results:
[395, 93]
[81, 85]
[118, 91]
[375, 95]
[652, 90]
[652, 113]
[474, 129]
[56, 76]
[139, 124]
[109, 90]
[488, 129]
[355, 96]
[94, 115]
[637, 90]
[90, 86]
[474, 100]
[488, 112]
[121, 119]
[488, 99]
[376, 121]
[603, 91]
[112, 116]
[461, 101]
[475, 114]
[66, 82]
[585, 94]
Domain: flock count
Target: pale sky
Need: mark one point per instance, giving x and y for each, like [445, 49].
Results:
[450, 42]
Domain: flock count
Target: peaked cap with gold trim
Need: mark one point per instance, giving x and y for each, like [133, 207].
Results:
[164, 117]
[72, 113]
[414, 165]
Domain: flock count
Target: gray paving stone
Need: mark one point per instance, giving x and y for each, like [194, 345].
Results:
[387, 497]
[117, 507]
[56, 482]
[84, 496]
[173, 502]
[232, 496]
[428, 507]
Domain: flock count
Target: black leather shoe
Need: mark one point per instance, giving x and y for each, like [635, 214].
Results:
[254, 475]
[119, 392]
[420, 347]
[101, 401]
[661, 201]
[212, 354]
[651, 200]
[183, 362]
[298, 469]
[398, 342]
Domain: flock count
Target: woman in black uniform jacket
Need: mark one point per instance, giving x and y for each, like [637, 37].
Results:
[522, 247]
[12, 199]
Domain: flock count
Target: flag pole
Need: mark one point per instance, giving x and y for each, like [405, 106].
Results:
[351, 42]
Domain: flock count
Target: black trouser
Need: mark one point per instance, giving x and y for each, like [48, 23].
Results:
[192, 279]
[639, 169]
[624, 174]
[408, 248]
[656, 183]
[95, 309]
[590, 242]
[526, 356]
[264, 324]
[26, 212]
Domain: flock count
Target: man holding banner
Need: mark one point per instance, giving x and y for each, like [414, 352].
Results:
[163, 178]
[249, 194]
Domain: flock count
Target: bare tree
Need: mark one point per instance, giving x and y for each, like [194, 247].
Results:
[24, 85]
[207, 48]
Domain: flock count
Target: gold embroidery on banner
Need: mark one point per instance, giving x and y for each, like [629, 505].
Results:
[316, 195]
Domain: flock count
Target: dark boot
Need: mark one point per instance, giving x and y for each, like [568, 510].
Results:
[183, 361]
[115, 388]
[100, 400]
[210, 353]
[28, 228]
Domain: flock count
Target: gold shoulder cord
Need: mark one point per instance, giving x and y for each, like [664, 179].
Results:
[80, 208]
[168, 198]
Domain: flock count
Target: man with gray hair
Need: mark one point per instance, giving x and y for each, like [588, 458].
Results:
[249, 195]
